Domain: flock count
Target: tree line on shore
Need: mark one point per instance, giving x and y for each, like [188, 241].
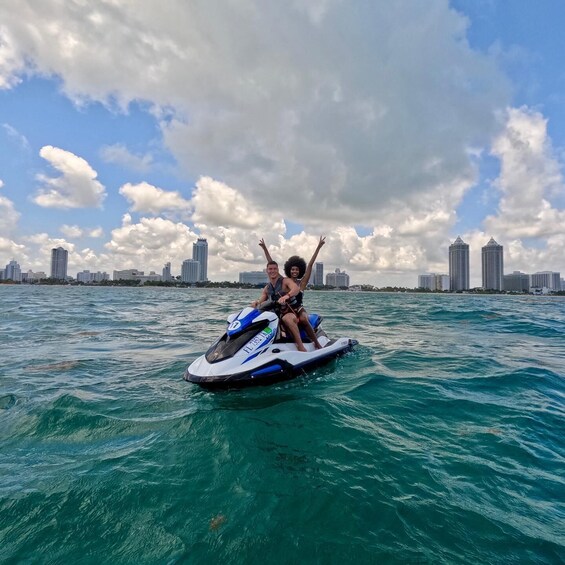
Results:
[228, 284]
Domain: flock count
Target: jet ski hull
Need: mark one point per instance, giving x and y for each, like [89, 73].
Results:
[281, 363]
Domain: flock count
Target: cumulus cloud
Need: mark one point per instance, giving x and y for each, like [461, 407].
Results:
[530, 176]
[289, 103]
[291, 111]
[146, 198]
[75, 232]
[135, 245]
[216, 203]
[121, 155]
[528, 221]
[11, 61]
[72, 232]
[9, 216]
[76, 187]
[9, 248]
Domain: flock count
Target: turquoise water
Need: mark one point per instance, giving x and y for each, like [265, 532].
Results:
[439, 440]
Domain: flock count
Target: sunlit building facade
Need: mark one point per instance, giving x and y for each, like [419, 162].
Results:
[190, 271]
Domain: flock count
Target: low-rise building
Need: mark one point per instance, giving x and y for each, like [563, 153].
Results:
[253, 277]
[337, 278]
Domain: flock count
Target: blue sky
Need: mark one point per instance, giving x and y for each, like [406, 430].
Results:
[128, 130]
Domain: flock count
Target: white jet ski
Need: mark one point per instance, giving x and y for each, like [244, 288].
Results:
[252, 351]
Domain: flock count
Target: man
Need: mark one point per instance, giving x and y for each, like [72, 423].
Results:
[282, 290]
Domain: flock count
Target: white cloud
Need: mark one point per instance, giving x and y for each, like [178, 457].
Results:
[11, 61]
[95, 232]
[75, 232]
[530, 176]
[9, 216]
[288, 103]
[13, 133]
[147, 198]
[527, 222]
[289, 111]
[76, 187]
[150, 243]
[9, 248]
[216, 203]
[72, 232]
[121, 155]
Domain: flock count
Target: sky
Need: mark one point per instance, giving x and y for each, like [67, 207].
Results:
[129, 129]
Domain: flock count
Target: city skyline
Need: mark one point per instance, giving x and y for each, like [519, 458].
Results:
[337, 132]
[493, 275]
[458, 265]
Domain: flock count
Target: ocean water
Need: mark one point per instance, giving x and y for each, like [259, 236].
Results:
[440, 439]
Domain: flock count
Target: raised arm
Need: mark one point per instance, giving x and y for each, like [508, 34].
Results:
[308, 272]
[263, 246]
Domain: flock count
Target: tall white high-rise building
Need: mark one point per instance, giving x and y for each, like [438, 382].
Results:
[200, 254]
[59, 259]
[493, 265]
[459, 265]
[13, 271]
[190, 271]
[167, 277]
[318, 275]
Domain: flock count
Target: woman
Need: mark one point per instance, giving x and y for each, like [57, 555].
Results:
[296, 269]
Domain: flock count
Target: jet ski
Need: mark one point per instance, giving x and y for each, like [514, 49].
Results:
[254, 351]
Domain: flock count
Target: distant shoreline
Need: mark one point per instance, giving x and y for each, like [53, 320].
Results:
[240, 286]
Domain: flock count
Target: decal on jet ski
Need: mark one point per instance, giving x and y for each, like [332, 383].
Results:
[258, 340]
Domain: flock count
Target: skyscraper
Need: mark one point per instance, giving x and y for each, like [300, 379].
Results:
[459, 265]
[318, 278]
[493, 265]
[200, 254]
[59, 258]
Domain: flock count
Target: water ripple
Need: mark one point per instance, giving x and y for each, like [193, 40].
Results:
[438, 440]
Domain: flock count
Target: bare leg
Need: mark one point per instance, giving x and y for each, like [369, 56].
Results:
[291, 325]
[305, 322]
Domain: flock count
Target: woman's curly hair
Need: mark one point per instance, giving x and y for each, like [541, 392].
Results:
[295, 261]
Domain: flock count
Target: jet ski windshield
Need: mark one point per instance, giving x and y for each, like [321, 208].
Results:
[228, 345]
